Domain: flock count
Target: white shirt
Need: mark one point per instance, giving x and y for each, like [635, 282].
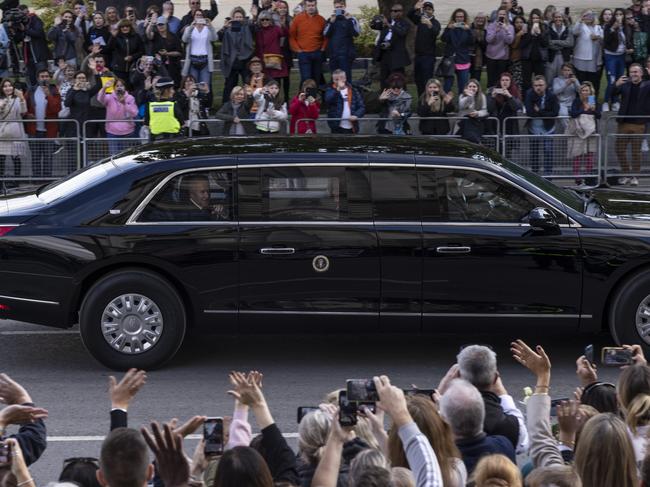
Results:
[345, 123]
[198, 46]
[40, 100]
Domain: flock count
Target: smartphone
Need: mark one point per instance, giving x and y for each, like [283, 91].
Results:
[213, 436]
[362, 390]
[347, 410]
[420, 392]
[305, 410]
[313, 92]
[589, 349]
[555, 403]
[616, 356]
[5, 454]
[339, 11]
[592, 101]
[459, 24]
[567, 11]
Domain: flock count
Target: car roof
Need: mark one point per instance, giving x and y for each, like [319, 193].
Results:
[332, 144]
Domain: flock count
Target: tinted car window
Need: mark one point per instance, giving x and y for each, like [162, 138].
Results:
[295, 193]
[395, 194]
[462, 195]
[199, 196]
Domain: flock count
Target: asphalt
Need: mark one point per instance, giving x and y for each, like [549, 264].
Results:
[299, 370]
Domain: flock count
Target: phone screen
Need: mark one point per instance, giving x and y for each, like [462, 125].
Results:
[347, 410]
[362, 390]
[305, 410]
[213, 436]
[5, 454]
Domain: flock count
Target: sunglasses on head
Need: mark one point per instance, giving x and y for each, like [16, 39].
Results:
[69, 461]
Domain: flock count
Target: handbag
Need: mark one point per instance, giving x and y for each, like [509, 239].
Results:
[273, 61]
[446, 67]
[199, 62]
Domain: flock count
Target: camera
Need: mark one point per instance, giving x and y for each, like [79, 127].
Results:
[616, 356]
[502, 20]
[15, 16]
[347, 410]
[385, 45]
[305, 410]
[377, 22]
[313, 92]
[363, 390]
[5, 454]
[213, 436]
[339, 11]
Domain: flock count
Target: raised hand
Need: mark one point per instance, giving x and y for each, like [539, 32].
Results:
[569, 419]
[536, 361]
[17, 414]
[586, 371]
[11, 392]
[122, 393]
[247, 388]
[392, 401]
[167, 447]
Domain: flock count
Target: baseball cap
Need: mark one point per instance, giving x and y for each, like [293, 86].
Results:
[427, 4]
[164, 82]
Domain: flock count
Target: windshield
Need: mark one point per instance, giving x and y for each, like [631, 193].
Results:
[75, 182]
[568, 198]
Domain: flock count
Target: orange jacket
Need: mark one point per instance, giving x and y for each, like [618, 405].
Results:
[306, 33]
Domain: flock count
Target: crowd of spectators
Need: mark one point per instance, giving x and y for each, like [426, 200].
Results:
[466, 432]
[152, 75]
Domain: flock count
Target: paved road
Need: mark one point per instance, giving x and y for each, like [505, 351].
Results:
[299, 370]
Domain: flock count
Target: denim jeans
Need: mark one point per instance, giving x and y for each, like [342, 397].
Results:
[423, 67]
[201, 75]
[615, 68]
[462, 77]
[537, 128]
[310, 65]
[42, 150]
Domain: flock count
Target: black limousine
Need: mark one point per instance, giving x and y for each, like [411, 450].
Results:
[318, 234]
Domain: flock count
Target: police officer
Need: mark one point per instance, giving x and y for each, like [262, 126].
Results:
[163, 117]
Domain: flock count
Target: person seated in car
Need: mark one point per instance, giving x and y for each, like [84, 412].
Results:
[196, 200]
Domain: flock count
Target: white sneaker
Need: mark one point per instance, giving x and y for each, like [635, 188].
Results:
[605, 107]
[644, 146]
[634, 182]
[623, 181]
[616, 107]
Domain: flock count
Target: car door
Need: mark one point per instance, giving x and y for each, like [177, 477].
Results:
[396, 212]
[483, 264]
[189, 222]
[308, 249]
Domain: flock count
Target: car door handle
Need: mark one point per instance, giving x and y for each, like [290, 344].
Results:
[454, 250]
[277, 250]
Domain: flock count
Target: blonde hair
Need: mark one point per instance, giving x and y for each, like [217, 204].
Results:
[634, 395]
[236, 90]
[402, 477]
[439, 105]
[313, 431]
[364, 459]
[363, 428]
[496, 471]
[553, 476]
[605, 456]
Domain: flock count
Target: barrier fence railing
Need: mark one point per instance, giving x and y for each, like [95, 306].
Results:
[626, 148]
[36, 158]
[550, 151]
[97, 148]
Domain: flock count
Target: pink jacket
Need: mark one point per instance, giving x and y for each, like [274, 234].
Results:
[115, 110]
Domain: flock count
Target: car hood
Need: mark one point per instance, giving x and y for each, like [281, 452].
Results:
[624, 209]
[23, 202]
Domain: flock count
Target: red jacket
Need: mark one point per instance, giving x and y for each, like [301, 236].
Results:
[51, 112]
[298, 110]
[268, 41]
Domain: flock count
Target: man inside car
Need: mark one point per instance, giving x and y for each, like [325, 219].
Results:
[197, 200]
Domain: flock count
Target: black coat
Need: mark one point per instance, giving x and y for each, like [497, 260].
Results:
[434, 126]
[123, 45]
[37, 50]
[396, 56]
[78, 101]
[497, 422]
[550, 109]
[627, 108]
[425, 36]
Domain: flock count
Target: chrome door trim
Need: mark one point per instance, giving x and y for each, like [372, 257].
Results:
[324, 313]
[29, 300]
[505, 315]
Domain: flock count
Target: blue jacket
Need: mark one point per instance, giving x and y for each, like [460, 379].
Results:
[341, 36]
[334, 103]
[458, 41]
[473, 449]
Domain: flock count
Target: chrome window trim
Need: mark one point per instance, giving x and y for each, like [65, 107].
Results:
[505, 315]
[324, 313]
[397, 313]
[307, 223]
[136, 213]
[28, 300]
[182, 223]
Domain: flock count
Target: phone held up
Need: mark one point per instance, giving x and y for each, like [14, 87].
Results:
[363, 390]
[305, 410]
[213, 436]
[5, 454]
[616, 356]
[347, 410]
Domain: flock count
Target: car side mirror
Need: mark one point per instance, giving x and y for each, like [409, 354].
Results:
[541, 219]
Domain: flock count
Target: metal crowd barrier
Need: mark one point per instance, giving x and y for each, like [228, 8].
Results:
[626, 154]
[370, 126]
[97, 148]
[35, 159]
[217, 126]
[556, 155]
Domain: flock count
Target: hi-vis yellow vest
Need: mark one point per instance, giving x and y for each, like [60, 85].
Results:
[162, 119]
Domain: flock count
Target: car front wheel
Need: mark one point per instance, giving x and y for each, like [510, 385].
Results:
[629, 315]
[132, 318]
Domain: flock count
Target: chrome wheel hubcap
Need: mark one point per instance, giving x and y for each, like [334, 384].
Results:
[132, 323]
[643, 320]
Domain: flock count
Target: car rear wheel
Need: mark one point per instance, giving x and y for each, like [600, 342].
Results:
[629, 315]
[132, 318]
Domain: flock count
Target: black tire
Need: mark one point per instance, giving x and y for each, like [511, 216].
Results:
[622, 312]
[133, 281]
